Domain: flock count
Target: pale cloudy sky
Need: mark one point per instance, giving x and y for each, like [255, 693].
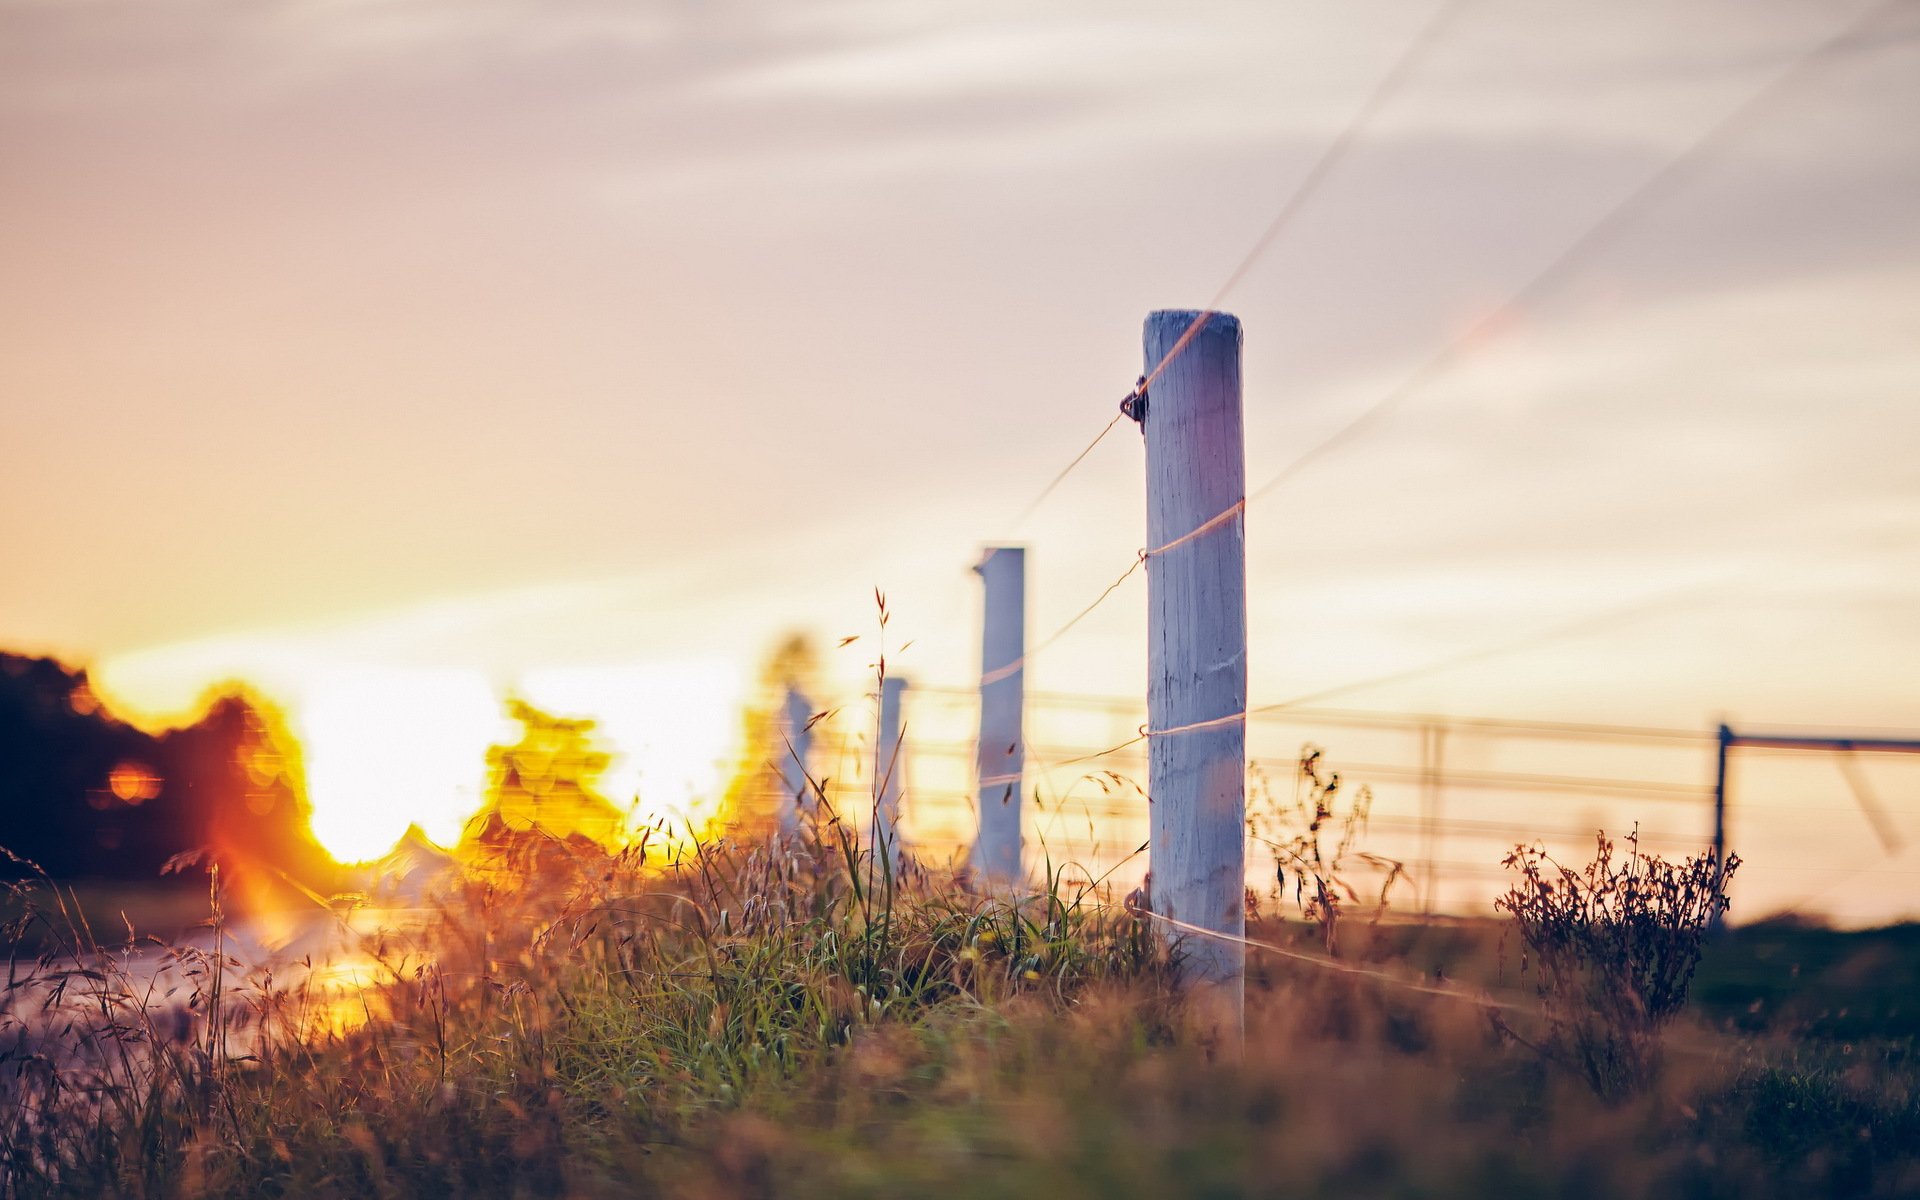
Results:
[523, 336]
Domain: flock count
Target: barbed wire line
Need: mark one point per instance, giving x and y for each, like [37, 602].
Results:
[1334, 965]
[1336, 150]
[1303, 191]
[1140, 560]
[1019, 664]
[1201, 530]
[1033, 505]
[1594, 238]
[1402, 69]
[1638, 610]
[1367, 716]
[1099, 754]
[1691, 1045]
[1597, 236]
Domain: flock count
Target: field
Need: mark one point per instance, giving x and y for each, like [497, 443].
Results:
[757, 1018]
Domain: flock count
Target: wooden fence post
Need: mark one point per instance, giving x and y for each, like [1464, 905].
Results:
[1000, 753]
[889, 771]
[1197, 651]
[797, 800]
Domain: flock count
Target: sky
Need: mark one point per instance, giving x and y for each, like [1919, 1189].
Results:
[398, 349]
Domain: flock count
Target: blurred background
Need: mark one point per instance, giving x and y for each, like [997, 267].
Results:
[371, 366]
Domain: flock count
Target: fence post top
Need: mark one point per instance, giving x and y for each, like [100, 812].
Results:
[988, 553]
[1217, 322]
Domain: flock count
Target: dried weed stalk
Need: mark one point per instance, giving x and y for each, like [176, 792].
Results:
[1314, 839]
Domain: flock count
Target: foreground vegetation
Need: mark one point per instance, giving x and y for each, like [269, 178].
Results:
[757, 1017]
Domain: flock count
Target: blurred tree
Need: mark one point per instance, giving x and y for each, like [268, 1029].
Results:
[549, 780]
[59, 754]
[239, 769]
[87, 796]
[756, 790]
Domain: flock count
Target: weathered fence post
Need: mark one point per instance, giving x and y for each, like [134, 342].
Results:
[1001, 750]
[1197, 650]
[796, 801]
[889, 771]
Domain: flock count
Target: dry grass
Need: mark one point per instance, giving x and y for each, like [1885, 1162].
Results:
[765, 1018]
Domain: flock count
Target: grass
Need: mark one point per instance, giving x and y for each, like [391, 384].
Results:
[167, 909]
[758, 1018]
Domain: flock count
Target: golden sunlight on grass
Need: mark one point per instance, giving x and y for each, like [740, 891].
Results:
[757, 1009]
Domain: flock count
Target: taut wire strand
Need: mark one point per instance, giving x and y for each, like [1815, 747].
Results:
[1336, 150]
[1596, 237]
[1208, 526]
[1000, 673]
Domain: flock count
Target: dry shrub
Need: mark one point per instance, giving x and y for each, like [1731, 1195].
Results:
[1613, 947]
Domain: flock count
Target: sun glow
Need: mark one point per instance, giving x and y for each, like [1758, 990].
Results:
[384, 747]
[389, 749]
[673, 731]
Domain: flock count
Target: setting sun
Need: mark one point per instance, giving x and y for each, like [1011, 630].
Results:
[385, 749]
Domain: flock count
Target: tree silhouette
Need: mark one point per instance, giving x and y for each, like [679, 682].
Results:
[85, 795]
